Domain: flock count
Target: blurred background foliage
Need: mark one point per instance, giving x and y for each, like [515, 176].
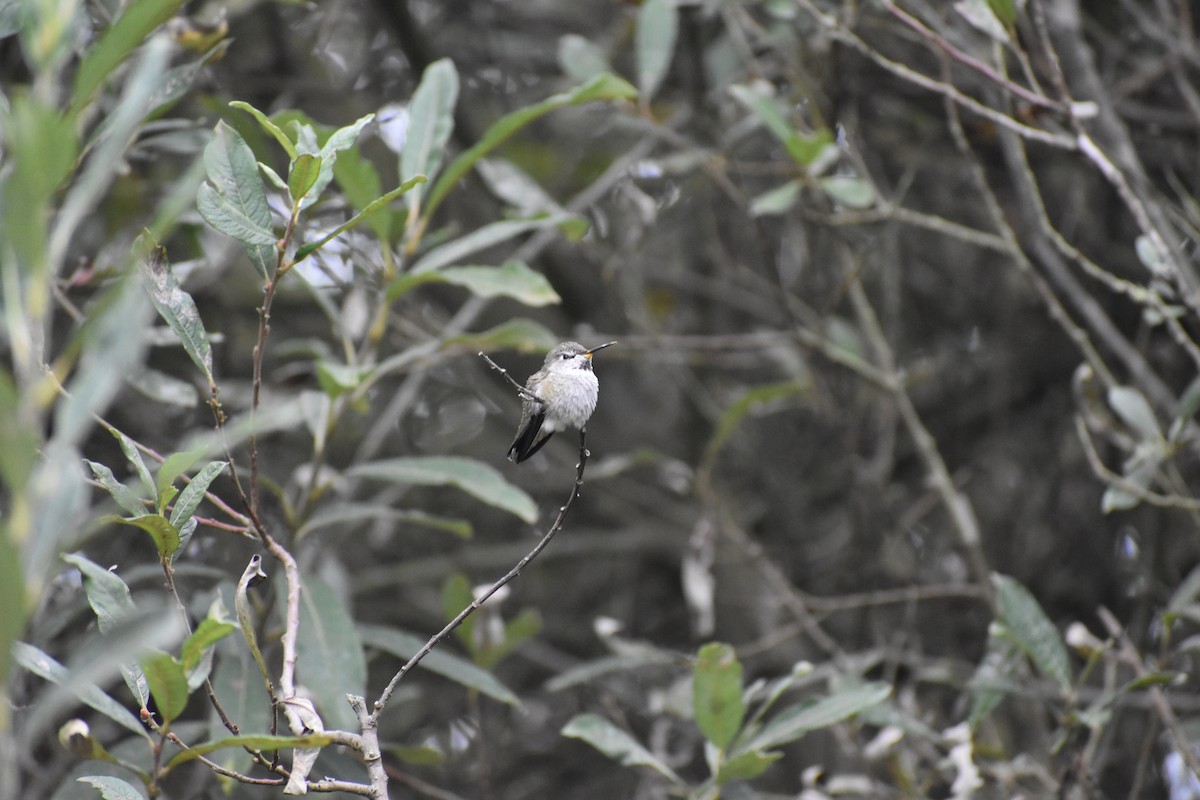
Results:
[890, 490]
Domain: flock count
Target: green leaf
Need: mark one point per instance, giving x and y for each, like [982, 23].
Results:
[793, 723]
[366, 214]
[256, 741]
[178, 309]
[602, 87]
[615, 743]
[135, 458]
[779, 200]
[1184, 596]
[137, 21]
[480, 239]
[345, 515]
[1133, 408]
[419, 756]
[207, 633]
[717, 693]
[162, 388]
[849, 191]
[803, 149]
[175, 465]
[361, 184]
[746, 766]
[330, 659]
[473, 477]
[988, 684]
[37, 662]
[522, 335]
[305, 170]
[12, 599]
[190, 497]
[339, 140]
[658, 25]
[112, 788]
[270, 127]
[121, 493]
[511, 279]
[339, 379]
[405, 646]
[1032, 630]
[165, 535]
[235, 202]
[430, 122]
[168, 684]
[580, 58]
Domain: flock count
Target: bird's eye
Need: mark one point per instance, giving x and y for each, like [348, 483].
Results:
[566, 356]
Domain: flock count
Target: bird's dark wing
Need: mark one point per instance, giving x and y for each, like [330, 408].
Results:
[527, 442]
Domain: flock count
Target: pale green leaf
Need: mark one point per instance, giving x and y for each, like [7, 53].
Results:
[405, 645]
[580, 58]
[111, 788]
[1032, 630]
[511, 279]
[793, 723]
[256, 741]
[177, 308]
[189, 499]
[430, 122]
[615, 743]
[657, 27]
[473, 477]
[330, 661]
[42, 665]
[122, 494]
[717, 693]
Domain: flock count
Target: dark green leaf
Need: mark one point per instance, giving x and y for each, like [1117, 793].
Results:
[473, 477]
[178, 309]
[746, 766]
[717, 693]
[207, 633]
[1032, 630]
[615, 743]
[420, 756]
[193, 493]
[165, 535]
[175, 465]
[305, 170]
[405, 646]
[267, 125]
[168, 684]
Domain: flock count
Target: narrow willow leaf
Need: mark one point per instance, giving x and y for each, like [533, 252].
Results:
[793, 723]
[779, 200]
[338, 141]
[122, 494]
[615, 743]
[42, 665]
[345, 515]
[746, 766]
[430, 122]
[164, 534]
[804, 149]
[657, 27]
[116, 44]
[602, 87]
[580, 58]
[12, 600]
[717, 693]
[480, 239]
[511, 279]
[1134, 409]
[406, 645]
[267, 125]
[522, 335]
[329, 656]
[168, 684]
[457, 595]
[112, 788]
[256, 741]
[177, 308]
[1032, 630]
[365, 215]
[163, 388]
[175, 465]
[473, 477]
[849, 191]
[750, 400]
[305, 169]
[207, 633]
[190, 497]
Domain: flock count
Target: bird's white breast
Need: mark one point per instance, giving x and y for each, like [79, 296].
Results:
[570, 398]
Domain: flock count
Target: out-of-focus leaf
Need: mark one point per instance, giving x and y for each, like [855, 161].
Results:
[602, 87]
[804, 149]
[793, 723]
[257, 741]
[594, 670]
[361, 184]
[717, 693]
[987, 684]
[122, 494]
[177, 308]
[849, 191]
[164, 534]
[168, 684]
[776, 201]
[473, 477]
[175, 465]
[366, 214]
[112, 788]
[347, 514]
[522, 335]
[420, 756]
[190, 497]
[37, 662]
[982, 16]
[130, 449]
[136, 22]
[1032, 630]
[658, 25]
[207, 633]
[1133, 408]
[430, 122]
[1183, 597]
[330, 661]
[615, 743]
[457, 595]
[580, 58]
[746, 766]
[12, 599]
[752, 399]
[41, 152]
[480, 239]
[162, 388]
[243, 695]
[339, 379]
[405, 646]
[511, 279]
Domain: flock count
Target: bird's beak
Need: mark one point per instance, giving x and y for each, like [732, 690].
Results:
[592, 352]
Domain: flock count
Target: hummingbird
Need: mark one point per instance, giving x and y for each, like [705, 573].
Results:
[560, 395]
